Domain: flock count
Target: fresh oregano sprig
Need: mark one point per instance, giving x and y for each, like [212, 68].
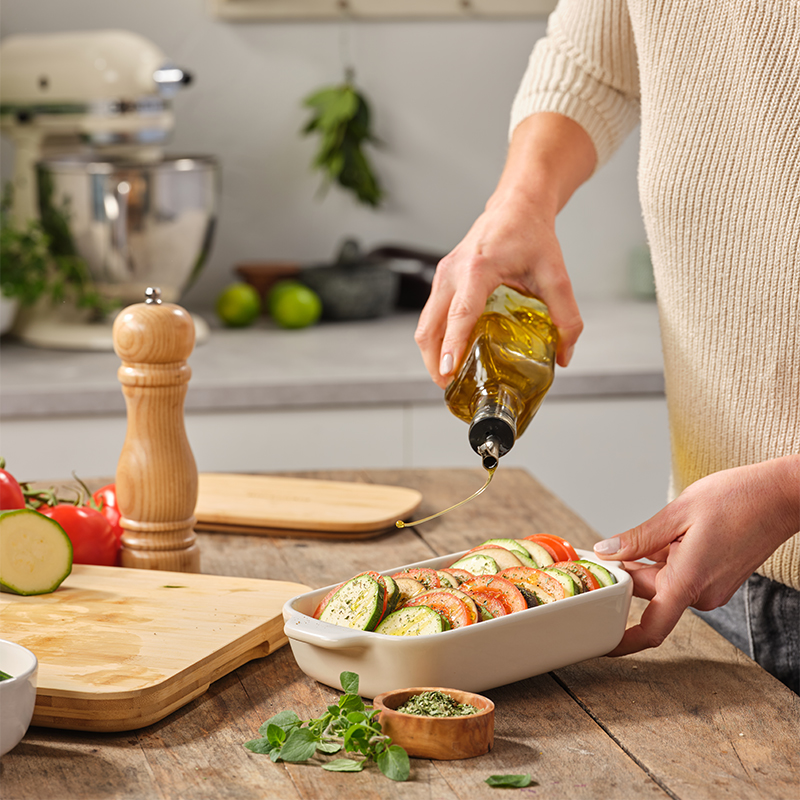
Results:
[348, 725]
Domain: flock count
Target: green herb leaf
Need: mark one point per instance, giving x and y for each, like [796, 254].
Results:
[262, 746]
[510, 781]
[394, 763]
[286, 720]
[344, 765]
[300, 745]
[349, 681]
[329, 746]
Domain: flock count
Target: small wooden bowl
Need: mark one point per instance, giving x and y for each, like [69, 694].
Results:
[440, 738]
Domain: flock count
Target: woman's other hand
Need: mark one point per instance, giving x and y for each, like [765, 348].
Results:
[705, 544]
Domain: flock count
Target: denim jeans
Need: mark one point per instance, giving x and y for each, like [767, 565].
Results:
[763, 620]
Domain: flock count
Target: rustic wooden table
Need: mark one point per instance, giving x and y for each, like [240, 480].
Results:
[693, 719]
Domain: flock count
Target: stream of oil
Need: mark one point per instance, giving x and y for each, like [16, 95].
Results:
[401, 524]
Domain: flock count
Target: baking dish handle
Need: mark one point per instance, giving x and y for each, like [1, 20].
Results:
[311, 631]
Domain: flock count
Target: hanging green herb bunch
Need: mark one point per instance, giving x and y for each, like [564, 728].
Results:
[341, 117]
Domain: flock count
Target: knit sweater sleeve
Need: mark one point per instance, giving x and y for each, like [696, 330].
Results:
[586, 69]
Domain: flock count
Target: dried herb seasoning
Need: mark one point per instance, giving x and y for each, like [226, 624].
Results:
[436, 704]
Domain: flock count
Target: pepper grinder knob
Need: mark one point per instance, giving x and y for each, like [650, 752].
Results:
[156, 477]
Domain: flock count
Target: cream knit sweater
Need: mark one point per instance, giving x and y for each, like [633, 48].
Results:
[716, 87]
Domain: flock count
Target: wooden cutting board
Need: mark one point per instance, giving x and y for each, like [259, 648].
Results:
[119, 649]
[278, 506]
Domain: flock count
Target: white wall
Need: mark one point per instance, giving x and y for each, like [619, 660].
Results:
[440, 91]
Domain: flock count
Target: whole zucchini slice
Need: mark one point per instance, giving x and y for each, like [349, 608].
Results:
[35, 553]
[357, 603]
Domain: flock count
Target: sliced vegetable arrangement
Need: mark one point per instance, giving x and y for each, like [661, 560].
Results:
[493, 579]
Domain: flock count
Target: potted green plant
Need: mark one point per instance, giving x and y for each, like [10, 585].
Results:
[30, 272]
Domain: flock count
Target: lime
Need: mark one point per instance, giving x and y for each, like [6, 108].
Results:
[293, 305]
[239, 305]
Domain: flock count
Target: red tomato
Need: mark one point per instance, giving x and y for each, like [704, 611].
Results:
[452, 608]
[571, 553]
[11, 495]
[91, 534]
[555, 547]
[427, 577]
[544, 586]
[106, 501]
[503, 589]
[460, 575]
[490, 605]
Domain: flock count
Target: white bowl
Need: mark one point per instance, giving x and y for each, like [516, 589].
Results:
[17, 694]
[473, 658]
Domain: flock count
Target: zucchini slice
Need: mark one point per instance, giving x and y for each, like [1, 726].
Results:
[357, 603]
[413, 621]
[541, 558]
[515, 547]
[35, 553]
[477, 564]
[408, 588]
[604, 576]
[571, 585]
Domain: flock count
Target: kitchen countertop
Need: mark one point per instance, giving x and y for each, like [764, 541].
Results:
[694, 719]
[365, 362]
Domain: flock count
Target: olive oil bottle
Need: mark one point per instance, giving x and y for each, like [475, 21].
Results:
[503, 380]
[506, 374]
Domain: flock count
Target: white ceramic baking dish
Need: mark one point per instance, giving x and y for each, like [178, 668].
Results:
[474, 658]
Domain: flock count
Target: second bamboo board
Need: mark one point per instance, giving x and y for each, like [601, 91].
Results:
[279, 506]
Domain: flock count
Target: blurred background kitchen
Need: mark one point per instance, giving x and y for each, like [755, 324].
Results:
[350, 394]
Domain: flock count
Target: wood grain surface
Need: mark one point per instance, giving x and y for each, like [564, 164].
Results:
[693, 720]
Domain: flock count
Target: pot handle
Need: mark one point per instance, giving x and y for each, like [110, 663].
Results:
[312, 631]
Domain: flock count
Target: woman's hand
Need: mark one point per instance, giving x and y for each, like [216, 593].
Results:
[512, 242]
[705, 544]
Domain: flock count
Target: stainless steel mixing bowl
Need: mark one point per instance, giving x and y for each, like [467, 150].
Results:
[135, 223]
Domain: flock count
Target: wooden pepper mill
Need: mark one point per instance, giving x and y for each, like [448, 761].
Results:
[156, 474]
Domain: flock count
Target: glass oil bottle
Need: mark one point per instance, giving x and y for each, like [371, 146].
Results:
[506, 374]
[503, 380]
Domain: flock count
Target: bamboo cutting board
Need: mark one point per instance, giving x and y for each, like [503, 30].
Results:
[279, 506]
[119, 649]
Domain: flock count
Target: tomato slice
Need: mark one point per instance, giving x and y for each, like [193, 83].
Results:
[563, 549]
[461, 575]
[427, 577]
[544, 586]
[580, 572]
[556, 548]
[489, 605]
[448, 605]
[502, 588]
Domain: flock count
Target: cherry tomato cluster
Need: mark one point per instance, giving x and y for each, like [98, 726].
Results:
[92, 523]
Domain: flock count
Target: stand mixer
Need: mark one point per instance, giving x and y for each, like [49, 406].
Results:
[89, 115]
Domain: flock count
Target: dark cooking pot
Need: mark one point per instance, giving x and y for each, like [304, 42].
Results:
[361, 285]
